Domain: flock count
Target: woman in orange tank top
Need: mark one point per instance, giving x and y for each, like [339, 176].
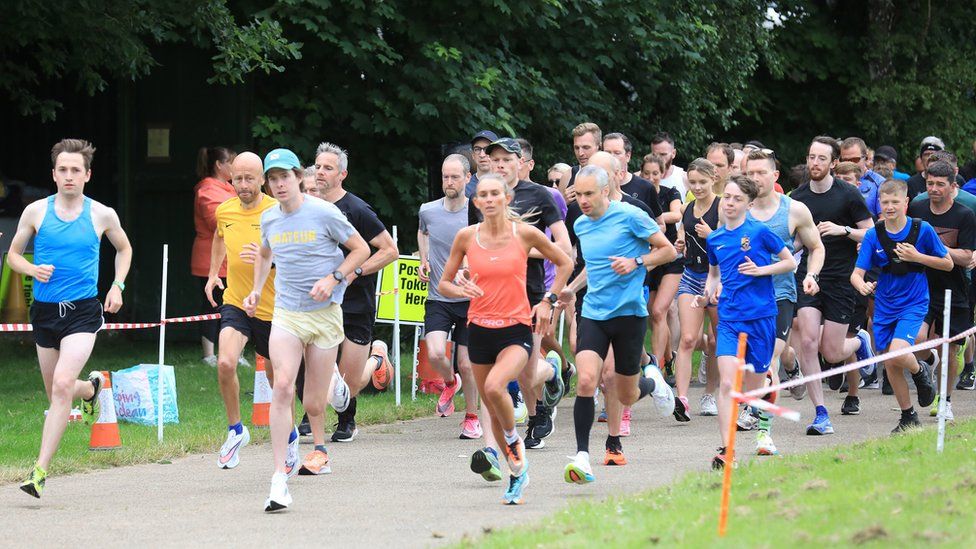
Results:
[499, 317]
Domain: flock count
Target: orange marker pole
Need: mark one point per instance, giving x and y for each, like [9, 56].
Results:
[723, 514]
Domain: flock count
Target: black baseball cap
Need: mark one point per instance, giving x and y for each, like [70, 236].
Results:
[931, 143]
[485, 134]
[886, 152]
[506, 143]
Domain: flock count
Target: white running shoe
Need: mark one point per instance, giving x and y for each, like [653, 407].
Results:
[340, 393]
[764, 444]
[746, 421]
[521, 411]
[230, 452]
[278, 498]
[210, 361]
[291, 459]
[663, 395]
[579, 470]
[243, 362]
[948, 412]
[707, 405]
[703, 369]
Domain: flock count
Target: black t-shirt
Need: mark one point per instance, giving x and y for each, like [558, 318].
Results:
[957, 229]
[665, 197]
[841, 204]
[360, 296]
[696, 256]
[916, 184]
[643, 190]
[535, 203]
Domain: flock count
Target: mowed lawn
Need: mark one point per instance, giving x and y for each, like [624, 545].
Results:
[202, 426]
[891, 492]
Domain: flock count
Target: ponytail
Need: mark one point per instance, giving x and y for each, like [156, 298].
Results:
[207, 158]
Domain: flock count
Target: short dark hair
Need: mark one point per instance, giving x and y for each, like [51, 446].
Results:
[746, 185]
[661, 137]
[761, 154]
[855, 142]
[628, 147]
[798, 175]
[725, 148]
[945, 156]
[80, 146]
[830, 142]
[941, 168]
[526, 148]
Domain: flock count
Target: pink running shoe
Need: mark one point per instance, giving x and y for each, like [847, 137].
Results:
[445, 403]
[470, 427]
[625, 423]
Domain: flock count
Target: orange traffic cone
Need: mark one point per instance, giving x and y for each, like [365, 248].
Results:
[262, 395]
[105, 431]
[429, 380]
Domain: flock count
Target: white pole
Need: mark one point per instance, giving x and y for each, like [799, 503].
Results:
[416, 362]
[162, 346]
[944, 373]
[562, 326]
[396, 315]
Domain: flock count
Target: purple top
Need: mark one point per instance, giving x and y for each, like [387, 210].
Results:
[561, 205]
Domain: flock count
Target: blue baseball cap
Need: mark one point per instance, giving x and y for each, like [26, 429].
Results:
[485, 134]
[281, 158]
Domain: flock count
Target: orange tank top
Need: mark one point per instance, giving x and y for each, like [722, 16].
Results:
[501, 275]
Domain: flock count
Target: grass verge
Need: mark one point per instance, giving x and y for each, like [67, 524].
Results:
[202, 426]
[894, 491]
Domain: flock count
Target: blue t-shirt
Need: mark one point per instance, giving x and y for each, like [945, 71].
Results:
[869, 184]
[970, 186]
[621, 231]
[744, 297]
[897, 294]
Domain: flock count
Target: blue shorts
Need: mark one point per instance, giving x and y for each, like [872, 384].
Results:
[693, 283]
[905, 328]
[761, 338]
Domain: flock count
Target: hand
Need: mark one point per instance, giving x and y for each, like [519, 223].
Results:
[469, 286]
[827, 228]
[699, 302]
[907, 252]
[249, 253]
[113, 300]
[542, 313]
[810, 286]
[250, 303]
[208, 289]
[747, 267]
[702, 229]
[679, 246]
[323, 287]
[566, 297]
[570, 194]
[43, 273]
[867, 288]
[424, 273]
[623, 265]
[972, 262]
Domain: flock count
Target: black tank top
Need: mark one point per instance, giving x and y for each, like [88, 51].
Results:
[696, 259]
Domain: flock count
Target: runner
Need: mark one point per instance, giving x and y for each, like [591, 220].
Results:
[301, 238]
[740, 259]
[901, 297]
[67, 228]
[842, 218]
[238, 233]
[500, 318]
[615, 239]
[956, 226]
[358, 361]
[662, 144]
[722, 156]
[479, 143]
[791, 222]
[698, 219]
[587, 138]
[309, 185]
[618, 145]
[854, 150]
[440, 222]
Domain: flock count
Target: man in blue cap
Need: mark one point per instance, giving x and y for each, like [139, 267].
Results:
[479, 146]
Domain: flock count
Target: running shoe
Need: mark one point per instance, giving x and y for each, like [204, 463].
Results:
[445, 402]
[485, 463]
[243, 362]
[718, 462]
[764, 444]
[934, 408]
[870, 381]
[316, 462]
[602, 418]
[907, 424]
[383, 375]
[681, 409]
[515, 456]
[521, 411]
[662, 394]
[345, 430]
[669, 369]
[230, 452]
[291, 459]
[567, 374]
[625, 422]
[471, 427]
[305, 428]
[924, 385]
[554, 388]
[340, 393]
[707, 405]
[614, 455]
[516, 487]
[578, 471]
[865, 351]
[746, 421]
[703, 369]
[967, 380]
[278, 498]
[799, 391]
[948, 412]
[851, 407]
[34, 485]
[90, 406]
[821, 426]
[210, 361]
[533, 442]
[544, 425]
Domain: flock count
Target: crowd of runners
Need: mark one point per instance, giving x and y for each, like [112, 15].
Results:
[851, 262]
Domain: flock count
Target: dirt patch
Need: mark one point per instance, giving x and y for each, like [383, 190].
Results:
[871, 533]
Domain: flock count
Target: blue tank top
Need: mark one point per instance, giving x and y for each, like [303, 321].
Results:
[72, 247]
[784, 284]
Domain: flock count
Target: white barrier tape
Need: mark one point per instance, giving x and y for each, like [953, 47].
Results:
[930, 344]
[777, 411]
[123, 325]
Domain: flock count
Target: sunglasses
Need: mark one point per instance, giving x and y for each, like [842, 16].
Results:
[554, 182]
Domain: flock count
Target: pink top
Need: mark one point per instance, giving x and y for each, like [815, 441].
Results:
[501, 275]
[207, 195]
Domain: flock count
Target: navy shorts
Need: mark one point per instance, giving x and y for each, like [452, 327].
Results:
[761, 338]
[53, 322]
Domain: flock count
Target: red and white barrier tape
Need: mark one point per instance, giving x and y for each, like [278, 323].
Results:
[124, 325]
[774, 409]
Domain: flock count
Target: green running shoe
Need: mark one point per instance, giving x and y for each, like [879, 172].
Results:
[34, 484]
[89, 407]
[555, 388]
[485, 463]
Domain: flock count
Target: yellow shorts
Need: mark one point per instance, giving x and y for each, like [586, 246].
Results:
[322, 327]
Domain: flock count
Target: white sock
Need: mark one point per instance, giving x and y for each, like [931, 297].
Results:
[511, 436]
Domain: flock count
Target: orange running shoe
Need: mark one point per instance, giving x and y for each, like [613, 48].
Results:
[383, 375]
[316, 463]
[515, 455]
[615, 457]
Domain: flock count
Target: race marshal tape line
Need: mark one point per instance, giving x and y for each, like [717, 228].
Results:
[124, 325]
[773, 409]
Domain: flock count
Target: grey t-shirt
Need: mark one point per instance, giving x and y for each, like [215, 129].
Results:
[440, 226]
[306, 248]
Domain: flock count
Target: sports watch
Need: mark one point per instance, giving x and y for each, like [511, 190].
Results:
[640, 260]
[551, 297]
[338, 276]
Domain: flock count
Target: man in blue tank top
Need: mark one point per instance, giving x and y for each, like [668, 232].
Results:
[67, 228]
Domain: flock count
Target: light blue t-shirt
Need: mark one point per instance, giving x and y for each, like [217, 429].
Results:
[305, 243]
[622, 231]
[744, 297]
[897, 294]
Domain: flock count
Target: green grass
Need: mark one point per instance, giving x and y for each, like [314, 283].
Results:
[202, 426]
[895, 491]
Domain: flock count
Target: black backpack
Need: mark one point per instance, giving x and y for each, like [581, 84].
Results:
[896, 266]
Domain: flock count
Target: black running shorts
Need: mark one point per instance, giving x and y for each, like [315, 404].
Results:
[53, 322]
[624, 333]
[444, 316]
[256, 331]
[484, 344]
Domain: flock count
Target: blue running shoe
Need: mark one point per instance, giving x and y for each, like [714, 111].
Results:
[821, 426]
[516, 487]
[485, 463]
[864, 352]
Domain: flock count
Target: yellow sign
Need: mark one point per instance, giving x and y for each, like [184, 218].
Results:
[412, 292]
[8, 284]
